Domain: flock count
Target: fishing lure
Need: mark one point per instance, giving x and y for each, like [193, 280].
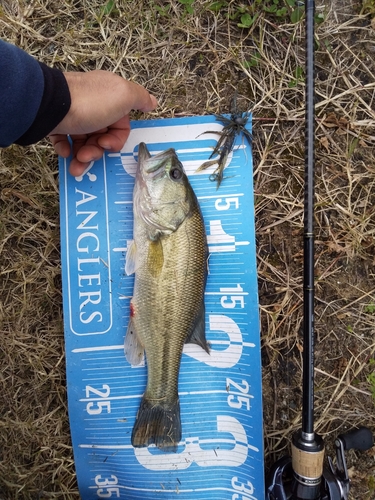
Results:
[233, 127]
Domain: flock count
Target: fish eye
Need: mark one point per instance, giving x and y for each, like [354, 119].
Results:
[175, 174]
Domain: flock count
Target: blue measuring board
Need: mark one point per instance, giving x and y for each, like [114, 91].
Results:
[220, 455]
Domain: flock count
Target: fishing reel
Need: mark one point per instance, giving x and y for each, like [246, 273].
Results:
[285, 483]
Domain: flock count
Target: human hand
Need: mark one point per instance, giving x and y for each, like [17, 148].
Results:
[98, 119]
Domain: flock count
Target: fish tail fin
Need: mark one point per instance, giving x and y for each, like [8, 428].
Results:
[157, 423]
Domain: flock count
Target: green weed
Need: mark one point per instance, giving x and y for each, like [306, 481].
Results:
[371, 484]
[371, 378]
[163, 11]
[188, 5]
[368, 7]
[254, 61]
[283, 11]
[106, 10]
[299, 75]
[370, 308]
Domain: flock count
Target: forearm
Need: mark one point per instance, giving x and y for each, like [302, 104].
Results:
[33, 97]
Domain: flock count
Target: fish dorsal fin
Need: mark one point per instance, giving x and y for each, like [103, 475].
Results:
[198, 335]
[134, 351]
[131, 258]
[155, 257]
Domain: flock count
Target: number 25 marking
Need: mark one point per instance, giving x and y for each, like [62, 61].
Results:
[96, 407]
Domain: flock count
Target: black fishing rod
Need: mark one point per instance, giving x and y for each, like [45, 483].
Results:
[303, 476]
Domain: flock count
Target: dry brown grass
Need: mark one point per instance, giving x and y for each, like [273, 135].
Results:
[193, 62]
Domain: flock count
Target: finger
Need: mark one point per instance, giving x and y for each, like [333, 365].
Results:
[76, 168]
[153, 104]
[78, 141]
[89, 152]
[138, 98]
[85, 150]
[81, 141]
[61, 145]
[116, 135]
[114, 140]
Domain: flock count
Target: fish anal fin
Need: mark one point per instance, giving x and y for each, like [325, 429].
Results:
[134, 350]
[198, 334]
[157, 423]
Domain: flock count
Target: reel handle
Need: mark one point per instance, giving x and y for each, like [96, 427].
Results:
[357, 439]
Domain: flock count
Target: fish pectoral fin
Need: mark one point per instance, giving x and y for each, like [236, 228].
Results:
[155, 257]
[198, 335]
[131, 258]
[134, 350]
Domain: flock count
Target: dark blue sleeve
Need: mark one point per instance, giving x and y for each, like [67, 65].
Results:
[33, 97]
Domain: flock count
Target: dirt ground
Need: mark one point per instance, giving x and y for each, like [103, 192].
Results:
[193, 55]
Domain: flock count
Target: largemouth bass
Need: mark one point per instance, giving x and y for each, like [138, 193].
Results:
[168, 256]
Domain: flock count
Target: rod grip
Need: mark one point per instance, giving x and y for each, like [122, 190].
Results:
[307, 464]
[308, 456]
